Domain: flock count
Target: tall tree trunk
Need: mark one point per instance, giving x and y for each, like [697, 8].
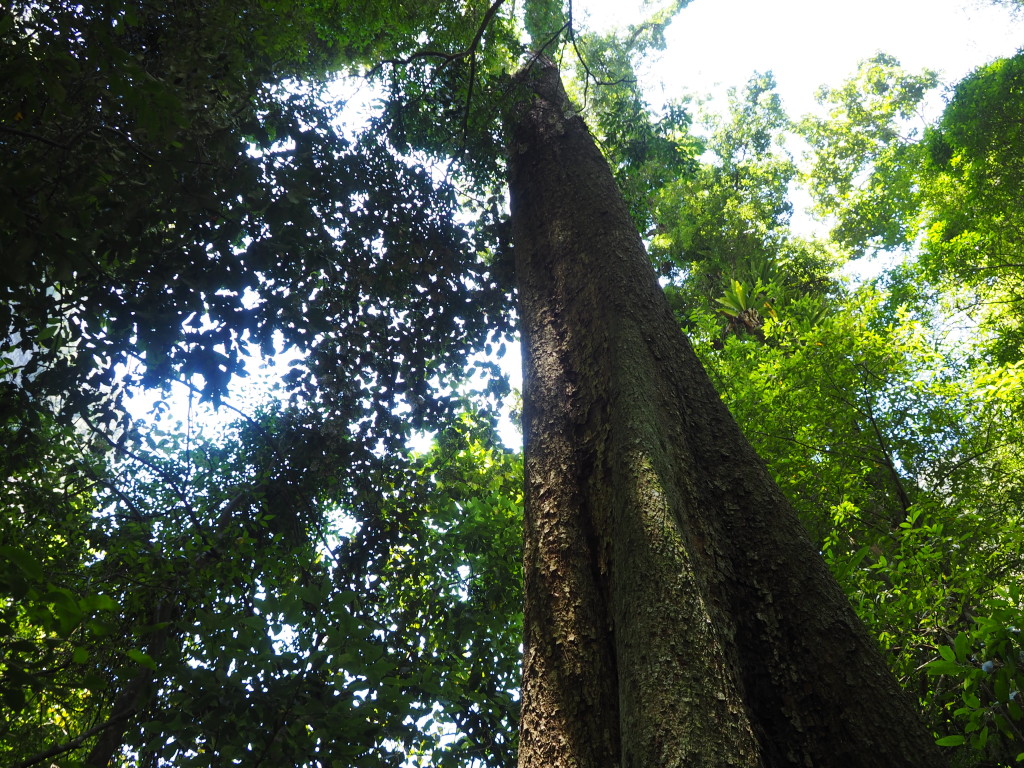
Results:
[676, 612]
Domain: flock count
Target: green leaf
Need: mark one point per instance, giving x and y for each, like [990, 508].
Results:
[1002, 687]
[100, 603]
[102, 628]
[542, 18]
[1014, 710]
[961, 645]
[944, 668]
[66, 608]
[14, 699]
[30, 565]
[979, 741]
[1004, 726]
[950, 741]
[141, 658]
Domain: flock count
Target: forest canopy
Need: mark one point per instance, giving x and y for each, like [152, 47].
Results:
[183, 196]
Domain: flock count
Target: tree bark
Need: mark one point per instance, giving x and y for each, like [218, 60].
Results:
[676, 612]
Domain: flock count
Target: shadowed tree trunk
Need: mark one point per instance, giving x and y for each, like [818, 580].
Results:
[676, 612]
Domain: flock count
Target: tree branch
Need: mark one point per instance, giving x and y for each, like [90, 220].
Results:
[74, 743]
[34, 137]
[447, 57]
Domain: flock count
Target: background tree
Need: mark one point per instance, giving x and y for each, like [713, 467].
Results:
[168, 214]
[973, 227]
[916, 420]
[723, 235]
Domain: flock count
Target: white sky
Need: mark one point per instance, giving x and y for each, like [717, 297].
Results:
[715, 44]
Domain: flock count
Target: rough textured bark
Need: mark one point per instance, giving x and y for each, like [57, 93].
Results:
[676, 612]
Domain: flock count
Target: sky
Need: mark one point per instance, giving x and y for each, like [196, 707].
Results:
[716, 44]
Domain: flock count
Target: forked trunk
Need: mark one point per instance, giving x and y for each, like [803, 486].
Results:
[676, 612]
